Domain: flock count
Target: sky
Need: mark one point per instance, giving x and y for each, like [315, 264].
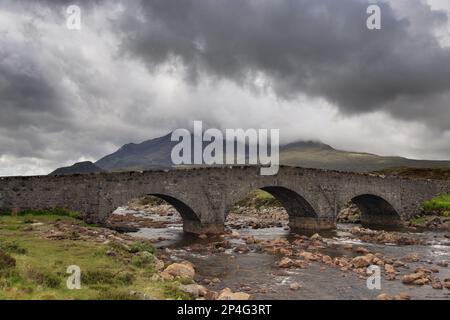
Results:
[139, 69]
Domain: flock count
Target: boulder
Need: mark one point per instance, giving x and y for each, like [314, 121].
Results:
[295, 286]
[362, 250]
[227, 294]
[308, 256]
[362, 261]
[417, 278]
[180, 270]
[194, 290]
[285, 263]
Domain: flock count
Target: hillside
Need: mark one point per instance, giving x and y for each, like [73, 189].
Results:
[156, 154]
[80, 167]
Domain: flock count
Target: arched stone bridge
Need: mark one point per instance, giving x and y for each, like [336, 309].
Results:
[204, 196]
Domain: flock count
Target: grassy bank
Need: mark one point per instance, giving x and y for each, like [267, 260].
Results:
[32, 266]
[259, 199]
[417, 173]
[435, 213]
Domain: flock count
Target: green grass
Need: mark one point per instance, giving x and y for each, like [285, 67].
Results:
[419, 221]
[439, 205]
[33, 267]
[151, 201]
[422, 173]
[259, 199]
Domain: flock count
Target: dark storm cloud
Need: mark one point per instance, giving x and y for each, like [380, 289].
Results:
[71, 95]
[320, 48]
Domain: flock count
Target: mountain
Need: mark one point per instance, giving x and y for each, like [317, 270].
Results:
[80, 167]
[156, 154]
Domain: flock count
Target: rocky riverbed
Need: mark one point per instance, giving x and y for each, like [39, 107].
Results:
[260, 258]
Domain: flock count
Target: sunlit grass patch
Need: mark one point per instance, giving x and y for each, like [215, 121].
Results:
[440, 205]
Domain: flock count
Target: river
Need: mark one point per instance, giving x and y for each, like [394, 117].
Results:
[257, 273]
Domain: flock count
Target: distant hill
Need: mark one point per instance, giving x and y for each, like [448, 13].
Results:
[322, 156]
[80, 167]
[156, 154]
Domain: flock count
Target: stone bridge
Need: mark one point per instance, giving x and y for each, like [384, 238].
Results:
[204, 196]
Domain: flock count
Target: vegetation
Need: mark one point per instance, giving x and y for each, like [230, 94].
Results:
[439, 205]
[34, 267]
[422, 173]
[259, 199]
[151, 201]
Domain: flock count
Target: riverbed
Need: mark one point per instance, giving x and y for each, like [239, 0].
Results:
[257, 272]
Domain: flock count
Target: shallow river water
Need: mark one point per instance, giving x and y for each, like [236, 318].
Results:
[258, 273]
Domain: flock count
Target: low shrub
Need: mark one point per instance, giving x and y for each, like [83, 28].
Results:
[143, 259]
[12, 247]
[44, 278]
[142, 246]
[104, 277]
[6, 261]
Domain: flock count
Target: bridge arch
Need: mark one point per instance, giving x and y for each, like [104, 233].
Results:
[376, 210]
[303, 210]
[186, 212]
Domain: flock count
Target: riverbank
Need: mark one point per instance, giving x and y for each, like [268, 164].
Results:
[35, 252]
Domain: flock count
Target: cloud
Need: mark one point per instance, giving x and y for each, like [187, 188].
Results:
[318, 48]
[139, 69]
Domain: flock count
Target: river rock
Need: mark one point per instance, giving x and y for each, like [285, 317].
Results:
[417, 278]
[285, 263]
[443, 264]
[412, 257]
[362, 250]
[316, 237]
[308, 256]
[389, 268]
[181, 270]
[447, 283]
[295, 286]
[362, 261]
[384, 296]
[194, 290]
[227, 294]
[436, 284]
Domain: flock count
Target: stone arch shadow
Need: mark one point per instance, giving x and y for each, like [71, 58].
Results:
[302, 211]
[377, 211]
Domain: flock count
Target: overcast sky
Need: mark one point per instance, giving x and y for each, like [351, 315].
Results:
[139, 69]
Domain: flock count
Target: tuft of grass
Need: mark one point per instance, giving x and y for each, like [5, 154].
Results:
[151, 201]
[419, 221]
[143, 259]
[115, 294]
[106, 277]
[6, 261]
[44, 278]
[142, 246]
[5, 212]
[12, 247]
[439, 205]
[52, 212]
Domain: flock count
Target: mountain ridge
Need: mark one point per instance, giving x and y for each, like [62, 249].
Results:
[156, 154]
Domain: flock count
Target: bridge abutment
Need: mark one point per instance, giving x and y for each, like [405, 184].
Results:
[197, 227]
